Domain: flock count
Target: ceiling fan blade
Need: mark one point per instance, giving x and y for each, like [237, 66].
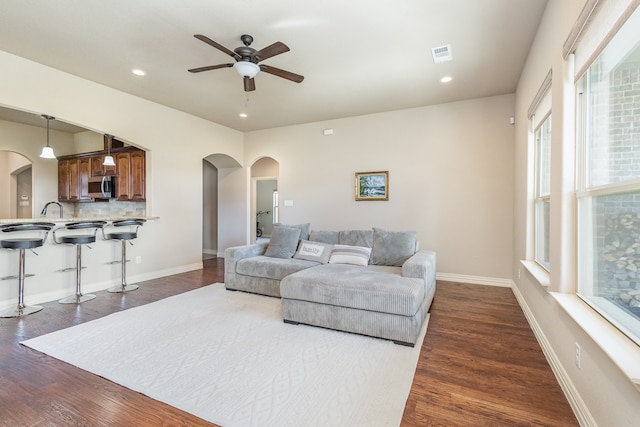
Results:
[217, 45]
[272, 50]
[282, 73]
[209, 67]
[249, 84]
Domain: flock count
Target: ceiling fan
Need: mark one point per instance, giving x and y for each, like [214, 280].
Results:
[247, 59]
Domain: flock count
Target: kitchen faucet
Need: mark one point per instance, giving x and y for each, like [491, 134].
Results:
[44, 210]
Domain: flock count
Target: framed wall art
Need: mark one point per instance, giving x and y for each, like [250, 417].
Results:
[372, 185]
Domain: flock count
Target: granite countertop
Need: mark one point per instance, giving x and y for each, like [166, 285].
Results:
[73, 219]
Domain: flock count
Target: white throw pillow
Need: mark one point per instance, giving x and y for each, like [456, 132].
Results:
[345, 254]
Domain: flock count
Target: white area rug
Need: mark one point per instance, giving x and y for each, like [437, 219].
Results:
[228, 357]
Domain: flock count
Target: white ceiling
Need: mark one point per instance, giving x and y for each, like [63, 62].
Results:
[357, 56]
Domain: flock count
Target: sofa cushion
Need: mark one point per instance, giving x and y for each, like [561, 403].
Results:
[271, 268]
[356, 238]
[304, 228]
[365, 288]
[392, 247]
[346, 254]
[314, 251]
[325, 236]
[283, 242]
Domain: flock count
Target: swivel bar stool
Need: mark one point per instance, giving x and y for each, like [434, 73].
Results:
[128, 234]
[88, 230]
[30, 241]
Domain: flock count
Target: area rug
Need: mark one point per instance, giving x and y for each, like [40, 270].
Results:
[228, 357]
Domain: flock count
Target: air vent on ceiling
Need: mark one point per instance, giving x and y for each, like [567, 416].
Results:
[441, 53]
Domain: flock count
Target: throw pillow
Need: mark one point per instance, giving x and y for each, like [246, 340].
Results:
[324, 236]
[283, 243]
[314, 251]
[392, 247]
[356, 238]
[304, 229]
[346, 254]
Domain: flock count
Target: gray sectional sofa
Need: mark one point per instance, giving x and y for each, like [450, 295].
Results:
[371, 282]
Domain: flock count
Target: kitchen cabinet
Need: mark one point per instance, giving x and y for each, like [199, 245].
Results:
[84, 170]
[131, 175]
[64, 181]
[75, 171]
[98, 169]
[73, 180]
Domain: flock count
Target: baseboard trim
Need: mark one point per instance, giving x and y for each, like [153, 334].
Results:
[474, 280]
[580, 409]
[210, 251]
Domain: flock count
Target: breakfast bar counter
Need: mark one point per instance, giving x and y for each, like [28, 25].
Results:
[55, 272]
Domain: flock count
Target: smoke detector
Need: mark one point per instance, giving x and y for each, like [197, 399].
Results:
[441, 53]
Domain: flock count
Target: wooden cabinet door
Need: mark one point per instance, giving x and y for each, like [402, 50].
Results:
[98, 169]
[123, 182]
[137, 175]
[84, 170]
[63, 180]
[74, 184]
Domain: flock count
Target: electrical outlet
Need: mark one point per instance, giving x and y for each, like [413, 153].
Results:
[577, 355]
[519, 271]
[139, 259]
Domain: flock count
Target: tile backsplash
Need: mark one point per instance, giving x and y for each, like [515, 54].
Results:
[110, 208]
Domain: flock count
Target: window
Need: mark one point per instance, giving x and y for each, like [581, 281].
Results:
[609, 181]
[542, 191]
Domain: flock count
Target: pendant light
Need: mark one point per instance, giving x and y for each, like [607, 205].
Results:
[47, 152]
[108, 159]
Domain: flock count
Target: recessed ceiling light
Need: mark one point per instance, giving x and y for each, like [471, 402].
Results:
[138, 72]
[244, 115]
[446, 79]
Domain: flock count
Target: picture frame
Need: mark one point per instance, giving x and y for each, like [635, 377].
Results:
[372, 186]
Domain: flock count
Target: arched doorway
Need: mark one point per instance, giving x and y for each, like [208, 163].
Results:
[15, 186]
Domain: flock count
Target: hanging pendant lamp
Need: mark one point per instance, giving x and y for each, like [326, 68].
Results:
[47, 152]
[108, 159]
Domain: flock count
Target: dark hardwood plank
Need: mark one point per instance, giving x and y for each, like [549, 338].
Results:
[480, 365]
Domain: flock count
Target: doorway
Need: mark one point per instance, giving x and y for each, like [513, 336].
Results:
[15, 186]
[266, 207]
[264, 197]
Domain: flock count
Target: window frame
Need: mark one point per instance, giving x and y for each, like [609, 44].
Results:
[587, 191]
[541, 199]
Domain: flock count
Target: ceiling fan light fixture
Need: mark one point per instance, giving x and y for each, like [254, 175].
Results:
[246, 69]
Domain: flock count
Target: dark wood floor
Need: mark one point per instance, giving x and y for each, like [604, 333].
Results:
[480, 365]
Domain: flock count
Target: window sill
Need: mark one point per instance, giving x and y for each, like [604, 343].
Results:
[540, 274]
[620, 349]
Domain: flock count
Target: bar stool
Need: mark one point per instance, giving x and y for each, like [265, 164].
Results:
[88, 230]
[30, 242]
[124, 236]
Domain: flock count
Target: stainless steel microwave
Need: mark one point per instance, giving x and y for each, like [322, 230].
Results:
[102, 187]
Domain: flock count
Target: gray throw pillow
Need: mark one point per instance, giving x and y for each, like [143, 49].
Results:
[314, 251]
[324, 236]
[283, 243]
[357, 238]
[392, 247]
[304, 229]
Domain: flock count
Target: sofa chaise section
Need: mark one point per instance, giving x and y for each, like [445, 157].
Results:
[381, 301]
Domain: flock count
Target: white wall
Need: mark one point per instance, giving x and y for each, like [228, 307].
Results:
[450, 178]
[601, 393]
[176, 144]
